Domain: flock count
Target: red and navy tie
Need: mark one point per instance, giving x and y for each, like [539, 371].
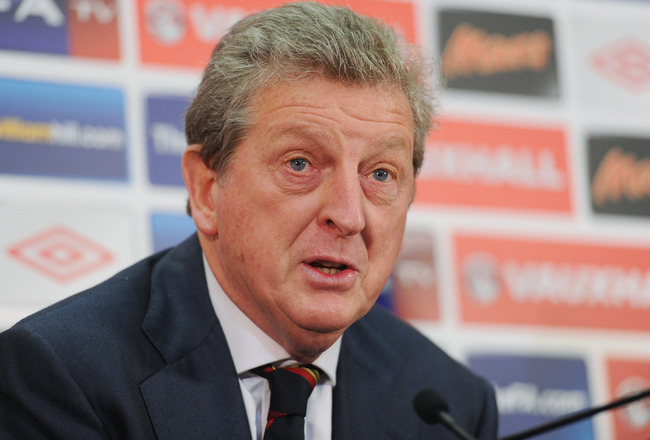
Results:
[290, 389]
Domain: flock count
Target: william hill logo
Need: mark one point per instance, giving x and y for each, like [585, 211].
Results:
[498, 52]
[619, 171]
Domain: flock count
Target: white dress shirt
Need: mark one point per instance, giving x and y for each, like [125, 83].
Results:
[250, 347]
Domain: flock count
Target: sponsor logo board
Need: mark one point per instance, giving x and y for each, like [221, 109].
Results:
[470, 163]
[166, 138]
[613, 63]
[169, 229]
[61, 253]
[532, 390]
[619, 175]
[184, 32]
[62, 131]
[626, 62]
[83, 28]
[627, 376]
[494, 52]
[49, 252]
[412, 291]
[552, 283]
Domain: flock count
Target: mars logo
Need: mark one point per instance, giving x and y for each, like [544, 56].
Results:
[503, 53]
[86, 28]
[619, 169]
[626, 62]
[533, 282]
[61, 254]
[471, 51]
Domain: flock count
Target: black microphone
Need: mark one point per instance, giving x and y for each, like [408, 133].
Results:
[432, 408]
[574, 417]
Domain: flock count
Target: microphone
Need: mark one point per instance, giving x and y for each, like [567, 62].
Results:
[432, 408]
[577, 416]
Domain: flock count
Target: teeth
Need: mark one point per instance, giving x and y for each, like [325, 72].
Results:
[327, 264]
[329, 270]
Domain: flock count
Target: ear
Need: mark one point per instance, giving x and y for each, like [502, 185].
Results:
[201, 183]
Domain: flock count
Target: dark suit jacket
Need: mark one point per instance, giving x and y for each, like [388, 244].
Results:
[142, 356]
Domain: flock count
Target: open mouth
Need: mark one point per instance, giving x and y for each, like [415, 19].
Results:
[328, 267]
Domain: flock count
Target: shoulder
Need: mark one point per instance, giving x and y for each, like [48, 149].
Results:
[88, 327]
[124, 294]
[414, 362]
[101, 318]
[382, 330]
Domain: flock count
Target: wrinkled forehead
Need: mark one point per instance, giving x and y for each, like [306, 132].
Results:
[309, 83]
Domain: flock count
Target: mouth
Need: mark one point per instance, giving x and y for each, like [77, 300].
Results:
[328, 267]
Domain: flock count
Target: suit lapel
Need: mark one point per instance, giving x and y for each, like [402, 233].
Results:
[197, 397]
[368, 392]
[197, 394]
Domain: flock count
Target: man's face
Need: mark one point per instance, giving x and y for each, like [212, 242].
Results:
[311, 217]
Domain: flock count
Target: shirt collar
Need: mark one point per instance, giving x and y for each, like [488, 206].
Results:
[249, 346]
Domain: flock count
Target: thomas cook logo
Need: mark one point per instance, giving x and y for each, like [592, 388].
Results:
[61, 254]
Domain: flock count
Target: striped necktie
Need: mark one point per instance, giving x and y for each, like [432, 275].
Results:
[290, 389]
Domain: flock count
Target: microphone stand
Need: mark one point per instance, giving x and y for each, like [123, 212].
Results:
[577, 416]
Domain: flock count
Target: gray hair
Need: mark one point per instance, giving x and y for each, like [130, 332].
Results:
[295, 41]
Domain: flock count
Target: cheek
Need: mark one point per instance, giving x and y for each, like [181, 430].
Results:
[385, 242]
[380, 193]
[259, 225]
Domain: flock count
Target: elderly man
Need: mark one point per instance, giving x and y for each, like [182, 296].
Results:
[305, 138]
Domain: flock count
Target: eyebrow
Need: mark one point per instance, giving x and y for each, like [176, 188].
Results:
[309, 132]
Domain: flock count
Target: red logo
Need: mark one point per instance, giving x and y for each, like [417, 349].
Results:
[626, 62]
[471, 51]
[184, 32]
[93, 27]
[489, 165]
[543, 282]
[627, 376]
[621, 175]
[415, 278]
[61, 254]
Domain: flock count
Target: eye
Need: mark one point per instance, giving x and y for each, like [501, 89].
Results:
[381, 175]
[298, 164]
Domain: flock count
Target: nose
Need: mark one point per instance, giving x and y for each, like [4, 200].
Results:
[342, 204]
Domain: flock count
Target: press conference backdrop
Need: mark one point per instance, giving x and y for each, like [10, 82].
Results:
[527, 253]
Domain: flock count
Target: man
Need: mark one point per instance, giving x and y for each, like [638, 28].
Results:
[305, 137]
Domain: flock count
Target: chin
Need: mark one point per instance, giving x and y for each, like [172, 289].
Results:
[307, 344]
[330, 321]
